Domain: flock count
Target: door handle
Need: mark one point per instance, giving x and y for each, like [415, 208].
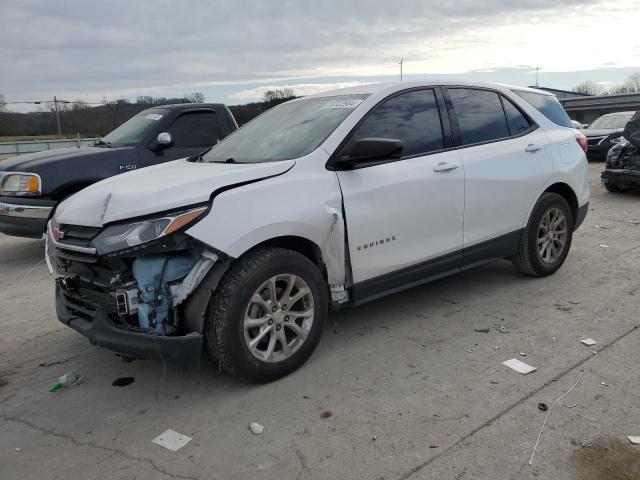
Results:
[444, 167]
[533, 147]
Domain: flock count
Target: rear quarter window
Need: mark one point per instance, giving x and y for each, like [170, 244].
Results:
[548, 105]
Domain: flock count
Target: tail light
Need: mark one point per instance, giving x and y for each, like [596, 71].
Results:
[582, 141]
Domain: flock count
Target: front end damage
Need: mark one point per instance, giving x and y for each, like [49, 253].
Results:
[137, 301]
[623, 168]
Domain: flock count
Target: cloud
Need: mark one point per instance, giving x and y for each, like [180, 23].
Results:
[85, 49]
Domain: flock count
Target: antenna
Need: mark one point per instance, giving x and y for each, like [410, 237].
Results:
[401, 62]
[537, 71]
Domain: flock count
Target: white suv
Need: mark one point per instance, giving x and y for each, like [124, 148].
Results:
[328, 200]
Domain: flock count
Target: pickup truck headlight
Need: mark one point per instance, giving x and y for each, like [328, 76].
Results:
[126, 235]
[20, 184]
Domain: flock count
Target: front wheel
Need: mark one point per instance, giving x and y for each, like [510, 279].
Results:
[267, 314]
[546, 240]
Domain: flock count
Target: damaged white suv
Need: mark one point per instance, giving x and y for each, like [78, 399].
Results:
[328, 200]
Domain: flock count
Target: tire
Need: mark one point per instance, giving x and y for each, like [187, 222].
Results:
[233, 305]
[529, 260]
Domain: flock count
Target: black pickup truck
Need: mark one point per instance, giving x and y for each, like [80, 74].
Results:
[32, 185]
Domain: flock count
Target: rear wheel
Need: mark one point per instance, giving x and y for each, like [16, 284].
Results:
[545, 243]
[267, 314]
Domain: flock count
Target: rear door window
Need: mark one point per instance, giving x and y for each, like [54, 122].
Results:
[518, 123]
[195, 129]
[411, 117]
[480, 115]
[549, 106]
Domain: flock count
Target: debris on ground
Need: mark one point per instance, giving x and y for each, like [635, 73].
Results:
[588, 341]
[522, 354]
[535, 447]
[326, 414]
[572, 405]
[434, 446]
[123, 381]
[605, 384]
[519, 366]
[603, 246]
[482, 330]
[503, 329]
[585, 445]
[69, 379]
[543, 406]
[256, 428]
[634, 440]
[19, 449]
[171, 440]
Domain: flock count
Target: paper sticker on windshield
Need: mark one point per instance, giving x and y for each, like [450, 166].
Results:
[153, 116]
[341, 104]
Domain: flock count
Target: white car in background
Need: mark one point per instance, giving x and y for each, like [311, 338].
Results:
[325, 201]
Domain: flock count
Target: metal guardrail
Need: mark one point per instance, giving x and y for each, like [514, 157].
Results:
[11, 149]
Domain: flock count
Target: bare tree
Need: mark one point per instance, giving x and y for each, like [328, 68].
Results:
[114, 107]
[589, 88]
[630, 85]
[278, 94]
[3, 103]
[195, 97]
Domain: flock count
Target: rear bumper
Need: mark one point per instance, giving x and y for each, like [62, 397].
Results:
[98, 328]
[24, 217]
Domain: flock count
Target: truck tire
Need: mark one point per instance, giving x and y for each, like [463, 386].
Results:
[267, 315]
[545, 242]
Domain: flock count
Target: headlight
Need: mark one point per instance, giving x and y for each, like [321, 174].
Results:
[126, 235]
[20, 184]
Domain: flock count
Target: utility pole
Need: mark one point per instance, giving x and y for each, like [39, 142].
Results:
[401, 61]
[55, 103]
[537, 71]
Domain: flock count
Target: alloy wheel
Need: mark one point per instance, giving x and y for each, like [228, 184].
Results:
[278, 318]
[552, 235]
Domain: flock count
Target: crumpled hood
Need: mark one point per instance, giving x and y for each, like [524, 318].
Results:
[156, 189]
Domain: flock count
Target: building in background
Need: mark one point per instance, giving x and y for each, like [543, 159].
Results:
[587, 109]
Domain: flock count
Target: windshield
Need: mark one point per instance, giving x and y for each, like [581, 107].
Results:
[290, 130]
[610, 122]
[134, 129]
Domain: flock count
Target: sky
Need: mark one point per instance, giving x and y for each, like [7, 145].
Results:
[232, 51]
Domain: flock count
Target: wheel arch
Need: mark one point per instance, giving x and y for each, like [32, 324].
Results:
[565, 191]
[302, 245]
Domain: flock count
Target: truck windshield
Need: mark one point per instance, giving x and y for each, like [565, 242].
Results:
[290, 130]
[607, 122]
[136, 128]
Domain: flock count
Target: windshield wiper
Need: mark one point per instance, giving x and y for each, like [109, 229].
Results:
[198, 156]
[228, 160]
[102, 143]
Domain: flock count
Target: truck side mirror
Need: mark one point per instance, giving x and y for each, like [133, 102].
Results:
[368, 150]
[163, 140]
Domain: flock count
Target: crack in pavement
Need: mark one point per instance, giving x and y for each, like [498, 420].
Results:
[112, 451]
[509, 408]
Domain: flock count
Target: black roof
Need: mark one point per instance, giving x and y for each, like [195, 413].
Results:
[189, 106]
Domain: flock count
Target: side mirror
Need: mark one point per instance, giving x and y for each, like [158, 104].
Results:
[163, 140]
[368, 150]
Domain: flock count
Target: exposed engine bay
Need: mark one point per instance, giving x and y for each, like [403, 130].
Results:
[141, 289]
